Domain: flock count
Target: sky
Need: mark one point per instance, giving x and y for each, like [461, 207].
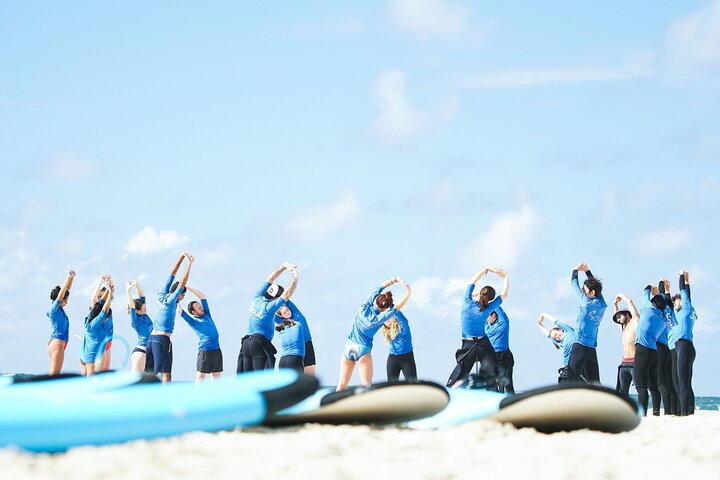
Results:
[423, 139]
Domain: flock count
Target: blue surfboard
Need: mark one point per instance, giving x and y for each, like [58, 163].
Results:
[117, 407]
[563, 407]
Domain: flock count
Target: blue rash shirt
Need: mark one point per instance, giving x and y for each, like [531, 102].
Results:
[204, 327]
[569, 336]
[589, 316]
[402, 343]
[369, 320]
[472, 319]
[94, 335]
[142, 325]
[651, 323]
[166, 307]
[262, 313]
[686, 317]
[298, 317]
[498, 332]
[59, 322]
[670, 322]
[292, 340]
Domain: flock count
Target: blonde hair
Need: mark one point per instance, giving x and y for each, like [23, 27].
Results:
[390, 331]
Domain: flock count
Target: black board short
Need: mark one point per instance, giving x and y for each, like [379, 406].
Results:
[309, 358]
[210, 361]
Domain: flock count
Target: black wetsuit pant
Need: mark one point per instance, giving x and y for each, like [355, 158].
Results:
[583, 358]
[293, 362]
[685, 359]
[256, 353]
[673, 366]
[505, 363]
[479, 349]
[404, 363]
[624, 377]
[645, 376]
[665, 383]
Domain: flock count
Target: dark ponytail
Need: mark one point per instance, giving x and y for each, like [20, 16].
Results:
[487, 295]
[56, 291]
[384, 300]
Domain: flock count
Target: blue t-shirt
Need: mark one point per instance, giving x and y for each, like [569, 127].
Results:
[298, 317]
[59, 322]
[589, 316]
[686, 317]
[498, 332]
[142, 324]
[369, 320]
[473, 319]
[292, 340]
[670, 322]
[566, 344]
[204, 327]
[166, 307]
[262, 313]
[651, 323]
[94, 336]
[402, 343]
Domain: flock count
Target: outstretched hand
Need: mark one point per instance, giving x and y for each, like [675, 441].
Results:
[540, 320]
[178, 310]
[71, 274]
[654, 290]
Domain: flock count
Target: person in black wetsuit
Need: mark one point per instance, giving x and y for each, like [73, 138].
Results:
[684, 346]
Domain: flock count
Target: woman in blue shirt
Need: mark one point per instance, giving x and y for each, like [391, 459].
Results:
[373, 313]
[292, 340]
[498, 331]
[396, 332]
[98, 295]
[475, 345]
[95, 334]
[59, 323]
[290, 311]
[684, 347]
[142, 324]
[563, 337]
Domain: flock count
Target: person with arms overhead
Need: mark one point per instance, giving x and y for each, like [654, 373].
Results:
[209, 359]
[397, 335]
[664, 368]
[290, 311]
[94, 340]
[627, 320]
[651, 323]
[59, 324]
[684, 346]
[142, 324]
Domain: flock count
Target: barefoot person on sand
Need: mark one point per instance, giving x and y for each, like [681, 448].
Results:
[209, 359]
[164, 323]
[142, 324]
[94, 345]
[373, 313]
[396, 332]
[256, 350]
[59, 324]
[627, 320]
[476, 346]
[562, 336]
[289, 311]
[591, 305]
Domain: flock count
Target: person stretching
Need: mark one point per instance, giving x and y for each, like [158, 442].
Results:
[592, 307]
[98, 295]
[209, 359]
[59, 324]
[562, 336]
[664, 368]
[142, 324]
[684, 347]
[292, 339]
[396, 332]
[476, 346]
[645, 367]
[95, 335]
[627, 320]
[289, 311]
[498, 331]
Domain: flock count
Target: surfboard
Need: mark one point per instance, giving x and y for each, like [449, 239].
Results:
[382, 403]
[56, 415]
[557, 408]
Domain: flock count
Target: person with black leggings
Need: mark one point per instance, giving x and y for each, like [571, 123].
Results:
[684, 346]
[665, 378]
[476, 346]
[627, 320]
[498, 331]
[591, 305]
[645, 368]
[396, 333]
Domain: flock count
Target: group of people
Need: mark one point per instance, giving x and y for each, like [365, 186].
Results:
[658, 350]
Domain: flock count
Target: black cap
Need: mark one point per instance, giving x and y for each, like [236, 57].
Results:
[615, 317]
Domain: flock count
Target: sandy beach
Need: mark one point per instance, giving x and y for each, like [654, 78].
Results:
[661, 447]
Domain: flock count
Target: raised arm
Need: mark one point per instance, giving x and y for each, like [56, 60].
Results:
[186, 273]
[540, 325]
[195, 292]
[631, 306]
[506, 280]
[139, 289]
[179, 261]
[276, 273]
[478, 276]
[574, 283]
[406, 297]
[293, 284]
[389, 282]
[96, 291]
[67, 285]
[128, 288]
[107, 298]
[685, 285]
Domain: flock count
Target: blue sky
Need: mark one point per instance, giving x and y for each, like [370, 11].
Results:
[361, 140]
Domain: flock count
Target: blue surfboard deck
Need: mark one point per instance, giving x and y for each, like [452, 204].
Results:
[563, 407]
[56, 415]
[382, 403]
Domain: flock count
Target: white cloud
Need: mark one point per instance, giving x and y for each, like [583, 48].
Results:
[503, 242]
[438, 18]
[318, 221]
[437, 296]
[398, 119]
[70, 166]
[148, 240]
[20, 267]
[692, 43]
[662, 241]
[526, 78]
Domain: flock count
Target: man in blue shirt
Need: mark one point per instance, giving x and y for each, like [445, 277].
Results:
[592, 307]
[209, 360]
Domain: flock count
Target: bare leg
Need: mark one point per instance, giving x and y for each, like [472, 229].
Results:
[56, 350]
[89, 369]
[215, 376]
[83, 370]
[165, 377]
[346, 371]
[199, 377]
[138, 362]
[310, 370]
[105, 362]
[365, 367]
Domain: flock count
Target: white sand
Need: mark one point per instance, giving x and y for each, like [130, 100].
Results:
[661, 447]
